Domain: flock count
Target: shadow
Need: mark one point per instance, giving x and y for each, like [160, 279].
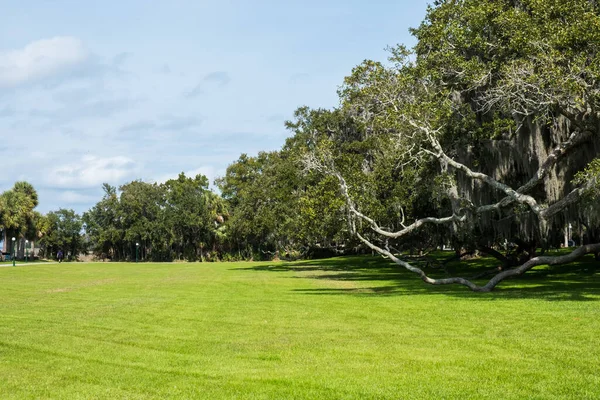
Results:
[577, 281]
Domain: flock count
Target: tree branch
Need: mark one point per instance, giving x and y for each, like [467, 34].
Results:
[446, 160]
[492, 283]
[394, 235]
[559, 151]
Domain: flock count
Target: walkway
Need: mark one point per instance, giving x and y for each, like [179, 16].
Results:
[22, 264]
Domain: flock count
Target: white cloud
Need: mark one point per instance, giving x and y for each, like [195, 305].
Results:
[40, 59]
[92, 171]
[221, 78]
[218, 78]
[73, 197]
[209, 171]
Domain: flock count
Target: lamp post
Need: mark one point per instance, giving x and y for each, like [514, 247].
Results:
[26, 250]
[137, 246]
[570, 231]
[14, 253]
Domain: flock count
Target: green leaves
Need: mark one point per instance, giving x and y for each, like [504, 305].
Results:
[62, 230]
[590, 179]
[176, 219]
[16, 209]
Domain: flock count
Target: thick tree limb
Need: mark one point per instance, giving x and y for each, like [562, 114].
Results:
[541, 260]
[563, 148]
[393, 235]
[573, 197]
[518, 195]
[447, 160]
[492, 283]
[416, 270]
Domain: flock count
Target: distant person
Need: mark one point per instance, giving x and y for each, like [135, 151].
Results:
[59, 256]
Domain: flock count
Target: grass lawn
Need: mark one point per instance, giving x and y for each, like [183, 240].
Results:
[352, 328]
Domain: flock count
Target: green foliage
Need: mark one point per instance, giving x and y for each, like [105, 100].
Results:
[62, 230]
[263, 194]
[179, 219]
[590, 179]
[17, 215]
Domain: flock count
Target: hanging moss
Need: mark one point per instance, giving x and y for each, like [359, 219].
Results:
[514, 160]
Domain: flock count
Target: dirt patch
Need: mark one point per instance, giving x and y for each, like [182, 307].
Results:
[59, 290]
[82, 285]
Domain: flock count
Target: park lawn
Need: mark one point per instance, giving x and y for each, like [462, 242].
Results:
[348, 328]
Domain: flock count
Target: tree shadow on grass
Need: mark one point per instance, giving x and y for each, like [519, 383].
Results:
[578, 281]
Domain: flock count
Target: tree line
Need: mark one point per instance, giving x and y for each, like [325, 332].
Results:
[484, 136]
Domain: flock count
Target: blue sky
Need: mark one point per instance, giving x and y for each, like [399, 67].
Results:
[113, 91]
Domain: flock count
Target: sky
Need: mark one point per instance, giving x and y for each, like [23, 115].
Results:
[114, 91]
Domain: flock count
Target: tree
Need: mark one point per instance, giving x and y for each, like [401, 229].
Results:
[493, 113]
[141, 215]
[62, 231]
[103, 226]
[192, 214]
[17, 215]
[260, 192]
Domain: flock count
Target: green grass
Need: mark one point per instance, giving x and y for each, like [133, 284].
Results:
[354, 328]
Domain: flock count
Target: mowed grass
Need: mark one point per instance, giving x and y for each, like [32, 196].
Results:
[348, 328]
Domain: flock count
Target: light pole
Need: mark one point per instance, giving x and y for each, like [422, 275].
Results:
[14, 253]
[137, 246]
[26, 250]
[570, 227]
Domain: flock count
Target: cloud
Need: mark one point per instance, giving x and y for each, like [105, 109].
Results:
[219, 78]
[165, 69]
[140, 126]
[168, 123]
[7, 111]
[41, 59]
[195, 92]
[121, 58]
[209, 171]
[179, 123]
[73, 197]
[92, 171]
[75, 96]
[76, 111]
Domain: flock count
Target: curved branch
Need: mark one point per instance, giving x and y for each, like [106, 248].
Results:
[574, 139]
[512, 193]
[444, 159]
[542, 260]
[569, 199]
[492, 283]
[518, 195]
[394, 235]
[417, 270]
